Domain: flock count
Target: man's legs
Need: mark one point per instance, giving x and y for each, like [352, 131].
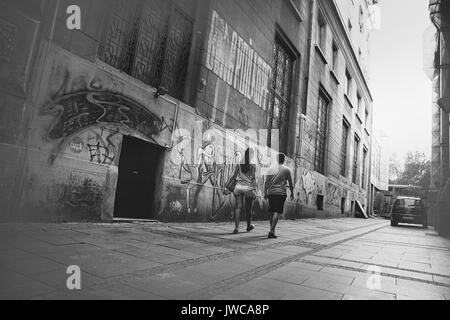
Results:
[273, 222]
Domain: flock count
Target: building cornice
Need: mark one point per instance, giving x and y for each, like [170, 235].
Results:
[336, 23]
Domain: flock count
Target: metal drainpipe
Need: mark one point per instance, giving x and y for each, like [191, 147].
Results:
[308, 77]
[17, 206]
[306, 89]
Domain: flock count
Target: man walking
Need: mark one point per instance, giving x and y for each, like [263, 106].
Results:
[275, 191]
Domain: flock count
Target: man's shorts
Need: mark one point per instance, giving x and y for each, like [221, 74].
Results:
[246, 191]
[276, 203]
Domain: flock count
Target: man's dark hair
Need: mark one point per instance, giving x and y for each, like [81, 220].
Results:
[281, 158]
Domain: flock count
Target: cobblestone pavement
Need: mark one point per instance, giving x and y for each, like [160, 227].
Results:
[311, 259]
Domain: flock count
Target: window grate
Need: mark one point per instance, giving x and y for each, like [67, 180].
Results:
[355, 160]
[278, 112]
[321, 136]
[363, 179]
[344, 144]
[149, 40]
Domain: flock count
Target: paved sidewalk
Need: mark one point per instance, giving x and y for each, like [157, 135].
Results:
[311, 259]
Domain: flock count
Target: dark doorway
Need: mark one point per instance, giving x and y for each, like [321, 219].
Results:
[320, 202]
[342, 205]
[135, 192]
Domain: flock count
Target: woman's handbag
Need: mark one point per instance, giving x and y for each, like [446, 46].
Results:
[231, 184]
[232, 181]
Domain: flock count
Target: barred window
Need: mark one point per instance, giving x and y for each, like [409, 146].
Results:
[321, 32]
[150, 40]
[278, 113]
[344, 144]
[321, 134]
[355, 159]
[334, 58]
[363, 179]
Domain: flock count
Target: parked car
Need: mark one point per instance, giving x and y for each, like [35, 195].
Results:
[409, 210]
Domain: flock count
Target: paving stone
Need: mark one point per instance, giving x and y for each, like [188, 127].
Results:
[444, 280]
[264, 289]
[305, 293]
[331, 261]
[115, 258]
[168, 287]
[291, 250]
[31, 265]
[19, 287]
[368, 295]
[416, 266]
[99, 262]
[420, 290]
[290, 276]
[221, 269]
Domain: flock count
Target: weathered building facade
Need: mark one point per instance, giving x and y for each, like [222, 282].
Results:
[379, 178]
[131, 115]
[337, 122]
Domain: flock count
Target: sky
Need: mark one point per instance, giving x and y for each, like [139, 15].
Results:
[400, 88]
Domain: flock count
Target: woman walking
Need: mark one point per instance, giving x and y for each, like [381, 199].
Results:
[243, 185]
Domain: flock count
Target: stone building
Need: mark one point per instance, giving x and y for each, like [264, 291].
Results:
[134, 113]
[337, 122]
[379, 178]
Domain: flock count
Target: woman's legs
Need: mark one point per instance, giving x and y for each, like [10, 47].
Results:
[237, 212]
[248, 212]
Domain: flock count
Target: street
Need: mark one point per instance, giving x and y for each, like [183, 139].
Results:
[331, 259]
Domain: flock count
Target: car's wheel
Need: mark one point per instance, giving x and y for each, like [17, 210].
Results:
[394, 223]
[425, 225]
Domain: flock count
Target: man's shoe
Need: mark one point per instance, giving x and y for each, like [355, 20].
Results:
[250, 228]
[236, 231]
[272, 236]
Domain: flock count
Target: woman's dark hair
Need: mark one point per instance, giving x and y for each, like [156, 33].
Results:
[281, 158]
[246, 166]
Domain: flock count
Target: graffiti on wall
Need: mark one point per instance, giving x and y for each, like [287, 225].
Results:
[78, 111]
[77, 191]
[96, 145]
[204, 180]
[208, 175]
[101, 147]
[233, 60]
[334, 194]
[309, 185]
[81, 191]
[76, 145]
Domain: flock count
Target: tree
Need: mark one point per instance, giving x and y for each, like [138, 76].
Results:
[394, 169]
[416, 171]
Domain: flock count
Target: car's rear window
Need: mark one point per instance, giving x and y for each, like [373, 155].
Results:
[407, 203]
